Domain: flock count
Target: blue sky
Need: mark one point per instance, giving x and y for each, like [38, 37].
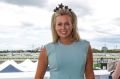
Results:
[25, 24]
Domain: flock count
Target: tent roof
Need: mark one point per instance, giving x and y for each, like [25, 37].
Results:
[10, 68]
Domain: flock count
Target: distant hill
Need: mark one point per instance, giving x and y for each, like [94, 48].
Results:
[108, 51]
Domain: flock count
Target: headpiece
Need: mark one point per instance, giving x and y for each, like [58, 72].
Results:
[60, 7]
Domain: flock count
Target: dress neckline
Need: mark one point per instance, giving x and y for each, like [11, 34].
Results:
[60, 43]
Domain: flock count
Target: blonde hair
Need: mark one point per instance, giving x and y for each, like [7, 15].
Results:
[61, 12]
[111, 66]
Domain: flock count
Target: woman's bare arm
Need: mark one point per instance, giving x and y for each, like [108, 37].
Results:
[89, 74]
[42, 64]
[116, 73]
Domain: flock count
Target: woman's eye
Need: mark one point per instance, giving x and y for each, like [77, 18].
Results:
[59, 24]
[67, 24]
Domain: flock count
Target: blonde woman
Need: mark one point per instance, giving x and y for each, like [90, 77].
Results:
[68, 56]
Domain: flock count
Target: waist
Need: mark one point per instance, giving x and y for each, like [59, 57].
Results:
[66, 75]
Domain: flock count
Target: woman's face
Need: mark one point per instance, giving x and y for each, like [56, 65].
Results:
[63, 26]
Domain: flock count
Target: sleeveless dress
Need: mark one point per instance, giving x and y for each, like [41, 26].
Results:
[67, 61]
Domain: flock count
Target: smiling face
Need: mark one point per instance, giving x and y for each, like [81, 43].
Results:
[63, 26]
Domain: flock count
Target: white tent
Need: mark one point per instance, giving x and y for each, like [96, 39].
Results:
[21, 75]
[28, 65]
[11, 63]
[101, 74]
[36, 63]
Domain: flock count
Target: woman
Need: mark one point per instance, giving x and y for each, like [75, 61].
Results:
[115, 70]
[68, 56]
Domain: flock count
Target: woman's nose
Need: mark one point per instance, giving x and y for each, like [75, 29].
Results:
[63, 26]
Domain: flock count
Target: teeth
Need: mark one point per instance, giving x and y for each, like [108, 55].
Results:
[63, 32]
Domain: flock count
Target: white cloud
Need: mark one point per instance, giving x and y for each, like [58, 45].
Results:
[37, 3]
[8, 15]
[12, 15]
[25, 26]
[105, 8]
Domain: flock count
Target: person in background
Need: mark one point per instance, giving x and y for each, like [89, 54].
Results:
[68, 56]
[114, 68]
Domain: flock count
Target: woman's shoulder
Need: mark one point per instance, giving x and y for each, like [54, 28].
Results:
[83, 41]
[49, 44]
